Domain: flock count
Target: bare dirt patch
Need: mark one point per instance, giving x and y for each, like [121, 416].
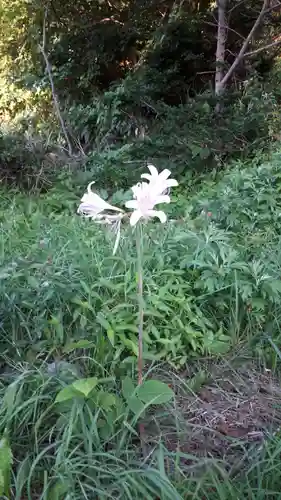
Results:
[222, 412]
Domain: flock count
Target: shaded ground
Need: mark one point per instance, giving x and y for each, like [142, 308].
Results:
[222, 412]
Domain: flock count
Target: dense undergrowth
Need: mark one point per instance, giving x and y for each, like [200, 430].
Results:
[69, 312]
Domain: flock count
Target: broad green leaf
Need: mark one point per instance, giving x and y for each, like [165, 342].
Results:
[106, 400]
[128, 387]
[66, 394]
[85, 385]
[135, 405]
[154, 392]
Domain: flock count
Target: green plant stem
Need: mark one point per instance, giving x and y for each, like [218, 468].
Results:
[140, 300]
[139, 245]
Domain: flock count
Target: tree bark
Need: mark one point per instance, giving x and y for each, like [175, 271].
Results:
[221, 41]
[221, 83]
[54, 94]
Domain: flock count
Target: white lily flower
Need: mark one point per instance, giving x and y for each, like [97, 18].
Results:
[160, 182]
[145, 200]
[92, 205]
[148, 194]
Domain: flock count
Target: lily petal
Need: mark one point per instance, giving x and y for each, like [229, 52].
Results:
[171, 183]
[89, 186]
[146, 176]
[158, 213]
[135, 217]
[162, 199]
[164, 174]
[97, 203]
[87, 209]
[153, 170]
[131, 204]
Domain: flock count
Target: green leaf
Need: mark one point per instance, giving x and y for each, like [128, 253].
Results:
[154, 392]
[128, 388]
[133, 346]
[58, 491]
[275, 285]
[111, 336]
[103, 321]
[33, 282]
[81, 344]
[85, 385]
[10, 397]
[6, 460]
[135, 405]
[219, 347]
[106, 400]
[204, 153]
[66, 394]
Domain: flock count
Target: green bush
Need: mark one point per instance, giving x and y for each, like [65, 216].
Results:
[190, 138]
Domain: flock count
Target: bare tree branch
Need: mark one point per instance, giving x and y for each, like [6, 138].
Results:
[261, 49]
[221, 85]
[227, 28]
[235, 6]
[42, 49]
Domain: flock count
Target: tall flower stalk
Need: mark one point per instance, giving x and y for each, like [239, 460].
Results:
[139, 246]
[154, 190]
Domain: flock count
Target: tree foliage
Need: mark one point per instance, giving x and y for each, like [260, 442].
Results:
[114, 65]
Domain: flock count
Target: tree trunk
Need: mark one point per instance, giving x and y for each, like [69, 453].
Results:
[221, 41]
[221, 77]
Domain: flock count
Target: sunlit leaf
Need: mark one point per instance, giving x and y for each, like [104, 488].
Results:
[66, 394]
[85, 385]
